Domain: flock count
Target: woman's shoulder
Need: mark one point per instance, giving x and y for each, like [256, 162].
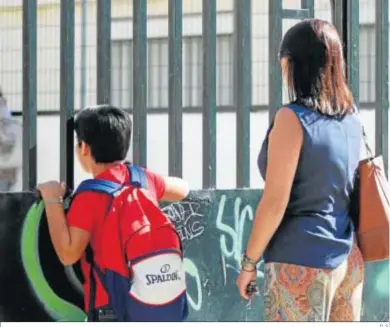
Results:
[292, 113]
[286, 118]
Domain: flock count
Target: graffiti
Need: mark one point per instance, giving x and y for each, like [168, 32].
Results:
[60, 310]
[215, 236]
[189, 225]
[192, 271]
[187, 220]
[56, 307]
[242, 214]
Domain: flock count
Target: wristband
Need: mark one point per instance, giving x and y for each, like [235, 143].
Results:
[249, 260]
[60, 200]
[247, 264]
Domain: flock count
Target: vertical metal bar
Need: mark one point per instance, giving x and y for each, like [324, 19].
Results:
[337, 8]
[243, 88]
[175, 119]
[209, 92]
[139, 87]
[382, 80]
[308, 4]
[275, 83]
[29, 94]
[83, 65]
[67, 91]
[346, 19]
[352, 46]
[103, 51]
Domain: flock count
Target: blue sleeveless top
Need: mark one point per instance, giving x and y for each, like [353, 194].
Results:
[316, 230]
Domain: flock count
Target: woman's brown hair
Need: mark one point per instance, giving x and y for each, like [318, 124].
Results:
[316, 68]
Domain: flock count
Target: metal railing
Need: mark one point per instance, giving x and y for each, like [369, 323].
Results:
[346, 19]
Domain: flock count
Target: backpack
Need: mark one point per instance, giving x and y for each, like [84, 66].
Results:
[141, 261]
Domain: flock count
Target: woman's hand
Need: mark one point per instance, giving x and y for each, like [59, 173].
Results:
[243, 280]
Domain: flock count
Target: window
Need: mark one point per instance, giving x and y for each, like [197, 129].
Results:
[122, 73]
[157, 72]
[367, 64]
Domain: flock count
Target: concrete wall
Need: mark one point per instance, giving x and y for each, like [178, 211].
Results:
[214, 227]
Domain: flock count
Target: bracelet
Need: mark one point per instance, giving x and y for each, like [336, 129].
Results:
[246, 259]
[254, 269]
[54, 201]
[248, 262]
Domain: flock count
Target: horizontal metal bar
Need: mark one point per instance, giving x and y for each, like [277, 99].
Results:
[187, 110]
[165, 16]
[295, 13]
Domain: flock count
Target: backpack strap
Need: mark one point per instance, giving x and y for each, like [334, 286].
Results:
[99, 186]
[137, 177]
[109, 188]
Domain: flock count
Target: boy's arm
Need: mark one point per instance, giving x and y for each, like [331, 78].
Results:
[69, 242]
[176, 189]
[168, 188]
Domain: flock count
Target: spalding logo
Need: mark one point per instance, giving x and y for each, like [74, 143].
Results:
[165, 276]
[164, 269]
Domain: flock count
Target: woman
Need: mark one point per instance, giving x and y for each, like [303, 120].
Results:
[313, 268]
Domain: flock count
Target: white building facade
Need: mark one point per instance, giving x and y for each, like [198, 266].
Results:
[122, 78]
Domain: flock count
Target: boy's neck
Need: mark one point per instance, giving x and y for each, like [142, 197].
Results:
[97, 169]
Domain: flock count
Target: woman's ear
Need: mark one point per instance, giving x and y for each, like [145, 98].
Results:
[285, 66]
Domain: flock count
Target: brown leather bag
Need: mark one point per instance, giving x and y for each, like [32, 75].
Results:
[373, 194]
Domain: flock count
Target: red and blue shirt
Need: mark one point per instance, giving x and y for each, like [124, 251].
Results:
[88, 210]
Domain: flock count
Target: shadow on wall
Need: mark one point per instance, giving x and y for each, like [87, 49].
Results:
[214, 227]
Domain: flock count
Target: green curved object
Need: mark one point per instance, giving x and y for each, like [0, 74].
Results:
[56, 307]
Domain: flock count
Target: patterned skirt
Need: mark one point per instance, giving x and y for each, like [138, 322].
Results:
[298, 293]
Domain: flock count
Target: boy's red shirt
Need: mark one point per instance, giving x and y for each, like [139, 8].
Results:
[87, 212]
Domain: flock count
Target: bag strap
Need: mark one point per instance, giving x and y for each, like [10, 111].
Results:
[369, 151]
[99, 186]
[137, 176]
[137, 179]
[366, 145]
[92, 290]
[109, 188]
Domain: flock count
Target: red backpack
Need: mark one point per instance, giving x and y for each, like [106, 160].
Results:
[141, 261]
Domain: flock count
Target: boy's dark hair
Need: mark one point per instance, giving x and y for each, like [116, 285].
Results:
[107, 131]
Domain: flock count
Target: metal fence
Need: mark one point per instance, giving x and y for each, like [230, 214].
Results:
[345, 15]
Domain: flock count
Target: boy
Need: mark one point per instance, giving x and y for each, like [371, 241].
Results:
[103, 138]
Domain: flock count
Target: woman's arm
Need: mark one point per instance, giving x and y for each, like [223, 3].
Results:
[285, 143]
